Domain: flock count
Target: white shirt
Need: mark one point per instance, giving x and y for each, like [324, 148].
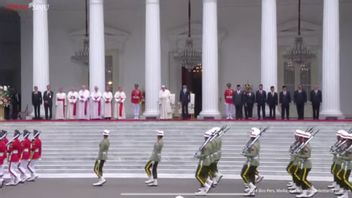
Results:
[83, 95]
[107, 96]
[96, 96]
[72, 96]
[120, 96]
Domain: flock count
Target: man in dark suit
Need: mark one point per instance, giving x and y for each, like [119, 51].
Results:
[238, 102]
[315, 98]
[260, 98]
[36, 101]
[249, 100]
[300, 98]
[185, 98]
[272, 102]
[285, 100]
[48, 102]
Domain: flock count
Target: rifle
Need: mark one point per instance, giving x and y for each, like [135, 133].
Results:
[250, 143]
[301, 146]
[335, 148]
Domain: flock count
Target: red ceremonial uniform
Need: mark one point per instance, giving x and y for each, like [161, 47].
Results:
[3, 151]
[136, 96]
[6, 140]
[36, 148]
[26, 149]
[15, 150]
[228, 95]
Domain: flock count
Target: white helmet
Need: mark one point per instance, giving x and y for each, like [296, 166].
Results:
[160, 133]
[106, 132]
[254, 132]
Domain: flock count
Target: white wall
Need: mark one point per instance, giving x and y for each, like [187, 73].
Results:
[239, 50]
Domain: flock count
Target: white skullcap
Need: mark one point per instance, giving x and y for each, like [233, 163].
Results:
[159, 133]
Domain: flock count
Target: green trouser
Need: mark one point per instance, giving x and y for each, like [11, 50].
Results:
[213, 169]
[303, 182]
[337, 171]
[98, 168]
[248, 173]
[202, 173]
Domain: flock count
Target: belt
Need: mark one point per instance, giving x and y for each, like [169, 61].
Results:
[15, 152]
[26, 150]
[36, 150]
[2, 153]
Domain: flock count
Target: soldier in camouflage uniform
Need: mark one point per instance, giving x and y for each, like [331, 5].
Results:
[250, 167]
[152, 164]
[102, 157]
[216, 145]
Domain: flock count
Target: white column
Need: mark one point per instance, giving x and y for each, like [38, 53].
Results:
[331, 60]
[210, 81]
[40, 44]
[152, 58]
[96, 45]
[269, 45]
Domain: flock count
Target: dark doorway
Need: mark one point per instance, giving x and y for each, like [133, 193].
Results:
[193, 80]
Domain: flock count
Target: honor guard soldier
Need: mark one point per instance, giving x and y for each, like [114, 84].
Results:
[3, 155]
[202, 173]
[151, 168]
[250, 167]
[26, 154]
[292, 166]
[216, 156]
[304, 166]
[36, 154]
[102, 157]
[14, 150]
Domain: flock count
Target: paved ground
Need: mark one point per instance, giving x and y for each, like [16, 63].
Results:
[135, 188]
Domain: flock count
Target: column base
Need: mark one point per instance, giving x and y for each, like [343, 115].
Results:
[209, 115]
[332, 114]
[151, 115]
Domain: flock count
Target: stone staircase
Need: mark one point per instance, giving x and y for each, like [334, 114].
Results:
[70, 148]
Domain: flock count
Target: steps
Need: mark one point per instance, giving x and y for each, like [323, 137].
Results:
[70, 148]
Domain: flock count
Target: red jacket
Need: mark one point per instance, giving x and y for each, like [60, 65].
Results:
[15, 150]
[36, 148]
[228, 95]
[3, 151]
[26, 149]
[136, 96]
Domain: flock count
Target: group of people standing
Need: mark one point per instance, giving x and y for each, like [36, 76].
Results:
[22, 156]
[84, 104]
[246, 98]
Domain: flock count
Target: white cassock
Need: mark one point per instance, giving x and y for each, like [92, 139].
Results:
[96, 110]
[60, 106]
[83, 104]
[120, 98]
[72, 97]
[165, 105]
[107, 97]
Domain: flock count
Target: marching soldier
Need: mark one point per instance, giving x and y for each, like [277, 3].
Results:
[26, 146]
[304, 166]
[3, 155]
[202, 173]
[216, 145]
[292, 166]
[14, 151]
[250, 167]
[152, 164]
[36, 154]
[102, 157]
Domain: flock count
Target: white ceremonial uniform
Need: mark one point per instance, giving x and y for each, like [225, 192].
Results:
[107, 96]
[96, 110]
[83, 104]
[165, 105]
[119, 109]
[60, 106]
[72, 97]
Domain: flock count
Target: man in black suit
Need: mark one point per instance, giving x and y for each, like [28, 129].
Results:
[238, 102]
[260, 98]
[185, 98]
[272, 102]
[48, 102]
[36, 101]
[249, 100]
[285, 100]
[315, 98]
[300, 98]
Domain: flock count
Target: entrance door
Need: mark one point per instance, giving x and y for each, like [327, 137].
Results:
[193, 80]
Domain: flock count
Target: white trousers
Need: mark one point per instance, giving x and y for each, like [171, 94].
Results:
[23, 168]
[2, 172]
[13, 170]
[229, 108]
[31, 167]
[136, 110]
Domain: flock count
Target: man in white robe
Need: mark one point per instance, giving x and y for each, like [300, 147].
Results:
[120, 97]
[164, 102]
[72, 97]
[83, 103]
[96, 110]
[60, 105]
[107, 97]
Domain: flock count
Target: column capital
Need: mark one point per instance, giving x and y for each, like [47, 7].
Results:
[96, 1]
[152, 1]
[39, 5]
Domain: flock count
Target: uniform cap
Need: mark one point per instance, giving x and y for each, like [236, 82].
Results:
[36, 133]
[26, 133]
[106, 132]
[2, 134]
[254, 132]
[160, 133]
[17, 133]
[208, 133]
[299, 133]
[215, 129]
[341, 133]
